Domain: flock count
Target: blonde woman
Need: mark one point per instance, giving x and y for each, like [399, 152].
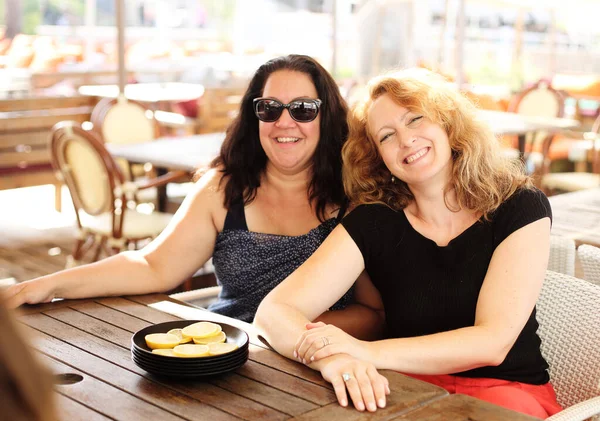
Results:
[454, 238]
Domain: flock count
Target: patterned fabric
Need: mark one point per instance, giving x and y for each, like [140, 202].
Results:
[249, 265]
[569, 318]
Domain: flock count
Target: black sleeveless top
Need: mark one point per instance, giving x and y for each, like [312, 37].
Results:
[248, 265]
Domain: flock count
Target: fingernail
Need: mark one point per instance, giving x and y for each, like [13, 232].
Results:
[381, 403]
[312, 358]
[303, 361]
[343, 403]
[372, 407]
[295, 354]
[361, 406]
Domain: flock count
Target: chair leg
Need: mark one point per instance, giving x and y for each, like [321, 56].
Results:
[58, 197]
[99, 249]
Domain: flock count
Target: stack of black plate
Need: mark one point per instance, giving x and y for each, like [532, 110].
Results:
[188, 367]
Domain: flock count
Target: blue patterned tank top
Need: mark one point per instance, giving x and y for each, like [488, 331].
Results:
[248, 265]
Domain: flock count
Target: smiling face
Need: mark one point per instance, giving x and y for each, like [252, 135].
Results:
[288, 144]
[413, 148]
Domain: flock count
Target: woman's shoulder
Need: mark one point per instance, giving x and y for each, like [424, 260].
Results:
[526, 199]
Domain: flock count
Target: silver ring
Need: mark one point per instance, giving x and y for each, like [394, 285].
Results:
[325, 341]
[346, 376]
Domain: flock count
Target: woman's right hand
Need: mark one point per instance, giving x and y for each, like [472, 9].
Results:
[366, 387]
[29, 292]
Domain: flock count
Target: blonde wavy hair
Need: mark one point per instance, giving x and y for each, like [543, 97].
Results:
[481, 177]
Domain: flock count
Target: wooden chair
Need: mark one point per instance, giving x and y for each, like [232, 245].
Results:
[538, 100]
[218, 107]
[124, 121]
[574, 181]
[568, 311]
[100, 192]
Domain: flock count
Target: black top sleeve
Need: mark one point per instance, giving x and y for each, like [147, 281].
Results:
[522, 208]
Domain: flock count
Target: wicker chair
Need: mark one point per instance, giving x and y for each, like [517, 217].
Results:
[568, 311]
[99, 192]
[589, 257]
[562, 255]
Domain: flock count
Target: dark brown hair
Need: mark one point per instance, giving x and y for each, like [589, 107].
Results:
[243, 159]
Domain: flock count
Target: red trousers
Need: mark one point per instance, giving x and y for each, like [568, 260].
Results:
[536, 400]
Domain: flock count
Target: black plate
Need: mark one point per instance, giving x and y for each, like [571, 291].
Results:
[191, 369]
[189, 373]
[235, 335]
[184, 364]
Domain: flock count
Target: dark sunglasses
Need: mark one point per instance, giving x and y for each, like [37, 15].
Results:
[301, 110]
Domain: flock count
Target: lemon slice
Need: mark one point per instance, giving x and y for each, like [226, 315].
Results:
[190, 351]
[200, 330]
[177, 332]
[219, 349]
[161, 340]
[165, 352]
[215, 339]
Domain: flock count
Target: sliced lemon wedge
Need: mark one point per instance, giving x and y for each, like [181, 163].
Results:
[161, 340]
[215, 339]
[220, 349]
[190, 351]
[165, 352]
[200, 330]
[177, 332]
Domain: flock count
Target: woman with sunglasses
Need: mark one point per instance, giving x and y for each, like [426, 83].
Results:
[272, 196]
[453, 236]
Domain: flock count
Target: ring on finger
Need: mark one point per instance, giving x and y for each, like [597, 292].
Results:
[325, 340]
[346, 376]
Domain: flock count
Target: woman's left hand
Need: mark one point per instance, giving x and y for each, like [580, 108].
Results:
[321, 341]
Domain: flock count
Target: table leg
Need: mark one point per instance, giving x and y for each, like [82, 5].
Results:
[161, 191]
[522, 138]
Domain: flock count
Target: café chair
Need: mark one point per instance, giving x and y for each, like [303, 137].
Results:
[574, 181]
[100, 194]
[589, 257]
[562, 255]
[539, 100]
[568, 312]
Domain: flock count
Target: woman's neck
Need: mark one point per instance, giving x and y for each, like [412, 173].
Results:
[286, 184]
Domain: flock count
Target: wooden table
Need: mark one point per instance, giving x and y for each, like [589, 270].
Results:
[86, 343]
[186, 153]
[577, 215]
[503, 123]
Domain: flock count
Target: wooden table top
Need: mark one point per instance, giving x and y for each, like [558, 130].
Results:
[89, 340]
[576, 215]
[185, 153]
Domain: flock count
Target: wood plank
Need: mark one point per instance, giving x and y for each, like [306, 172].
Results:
[14, 159]
[109, 315]
[273, 359]
[136, 309]
[41, 252]
[70, 410]
[12, 140]
[140, 387]
[93, 326]
[36, 122]
[407, 393]
[44, 103]
[106, 399]
[17, 180]
[20, 255]
[204, 392]
[463, 408]
[266, 395]
[313, 393]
